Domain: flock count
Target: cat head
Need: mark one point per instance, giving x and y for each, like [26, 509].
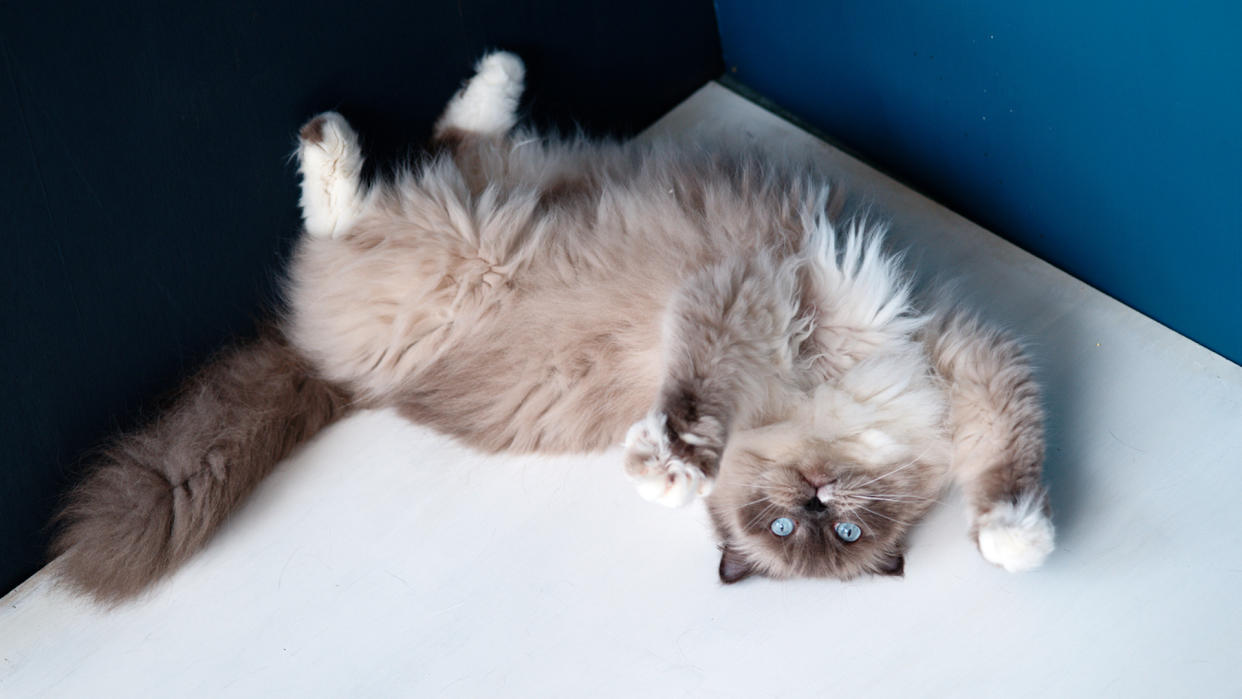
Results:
[785, 505]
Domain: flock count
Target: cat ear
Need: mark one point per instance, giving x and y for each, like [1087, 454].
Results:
[733, 566]
[894, 564]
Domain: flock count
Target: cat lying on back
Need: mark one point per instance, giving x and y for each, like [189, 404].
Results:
[528, 294]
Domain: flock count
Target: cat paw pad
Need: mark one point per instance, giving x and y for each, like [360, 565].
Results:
[1016, 537]
[659, 466]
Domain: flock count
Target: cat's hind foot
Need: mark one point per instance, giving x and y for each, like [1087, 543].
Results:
[331, 165]
[668, 468]
[487, 104]
[1016, 536]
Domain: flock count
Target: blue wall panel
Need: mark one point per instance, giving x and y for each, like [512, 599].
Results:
[1102, 136]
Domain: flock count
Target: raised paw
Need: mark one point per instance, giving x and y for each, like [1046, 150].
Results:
[1016, 536]
[488, 102]
[668, 468]
[331, 165]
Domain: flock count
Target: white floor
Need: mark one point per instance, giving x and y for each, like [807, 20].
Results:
[383, 560]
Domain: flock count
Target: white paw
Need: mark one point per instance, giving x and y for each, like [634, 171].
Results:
[488, 103]
[1016, 537]
[658, 475]
[500, 68]
[331, 165]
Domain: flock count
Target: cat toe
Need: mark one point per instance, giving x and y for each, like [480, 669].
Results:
[675, 486]
[1016, 537]
[501, 67]
[330, 134]
[658, 475]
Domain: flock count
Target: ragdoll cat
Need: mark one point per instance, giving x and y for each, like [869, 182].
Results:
[528, 294]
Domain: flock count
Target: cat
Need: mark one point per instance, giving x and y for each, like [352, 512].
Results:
[704, 308]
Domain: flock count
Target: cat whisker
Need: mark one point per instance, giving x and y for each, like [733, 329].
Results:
[762, 513]
[877, 514]
[895, 498]
[902, 467]
[771, 487]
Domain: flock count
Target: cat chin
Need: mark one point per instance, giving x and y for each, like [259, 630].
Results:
[1016, 537]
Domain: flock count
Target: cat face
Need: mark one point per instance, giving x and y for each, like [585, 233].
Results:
[811, 510]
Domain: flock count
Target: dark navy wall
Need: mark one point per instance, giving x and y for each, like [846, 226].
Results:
[147, 197]
[1102, 136]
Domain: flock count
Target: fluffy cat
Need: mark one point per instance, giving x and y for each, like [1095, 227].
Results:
[530, 294]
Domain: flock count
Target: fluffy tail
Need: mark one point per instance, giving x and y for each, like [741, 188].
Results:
[155, 496]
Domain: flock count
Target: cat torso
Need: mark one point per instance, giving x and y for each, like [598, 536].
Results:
[436, 297]
[532, 294]
[527, 294]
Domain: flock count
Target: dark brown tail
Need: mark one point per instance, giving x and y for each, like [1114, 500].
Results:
[155, 496]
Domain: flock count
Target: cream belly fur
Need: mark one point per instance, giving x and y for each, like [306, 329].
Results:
[523, 294]
[710, 309]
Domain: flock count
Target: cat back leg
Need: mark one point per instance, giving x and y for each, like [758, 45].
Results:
[331, 166]
[477, 121]
[998, 440]
[487, 104]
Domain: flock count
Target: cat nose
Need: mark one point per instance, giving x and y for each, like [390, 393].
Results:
[814, 505]
[817, 480]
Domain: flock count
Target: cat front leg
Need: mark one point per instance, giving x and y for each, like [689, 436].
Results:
[998, 440]
[673, 453]
[729, 340]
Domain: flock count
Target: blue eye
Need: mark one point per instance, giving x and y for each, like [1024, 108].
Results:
[848, 531]
[782, 526]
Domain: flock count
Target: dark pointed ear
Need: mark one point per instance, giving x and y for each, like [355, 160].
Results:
[733, 566]
[892, 565]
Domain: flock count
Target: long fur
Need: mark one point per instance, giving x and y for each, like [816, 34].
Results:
[155, 497]
[525, 293]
